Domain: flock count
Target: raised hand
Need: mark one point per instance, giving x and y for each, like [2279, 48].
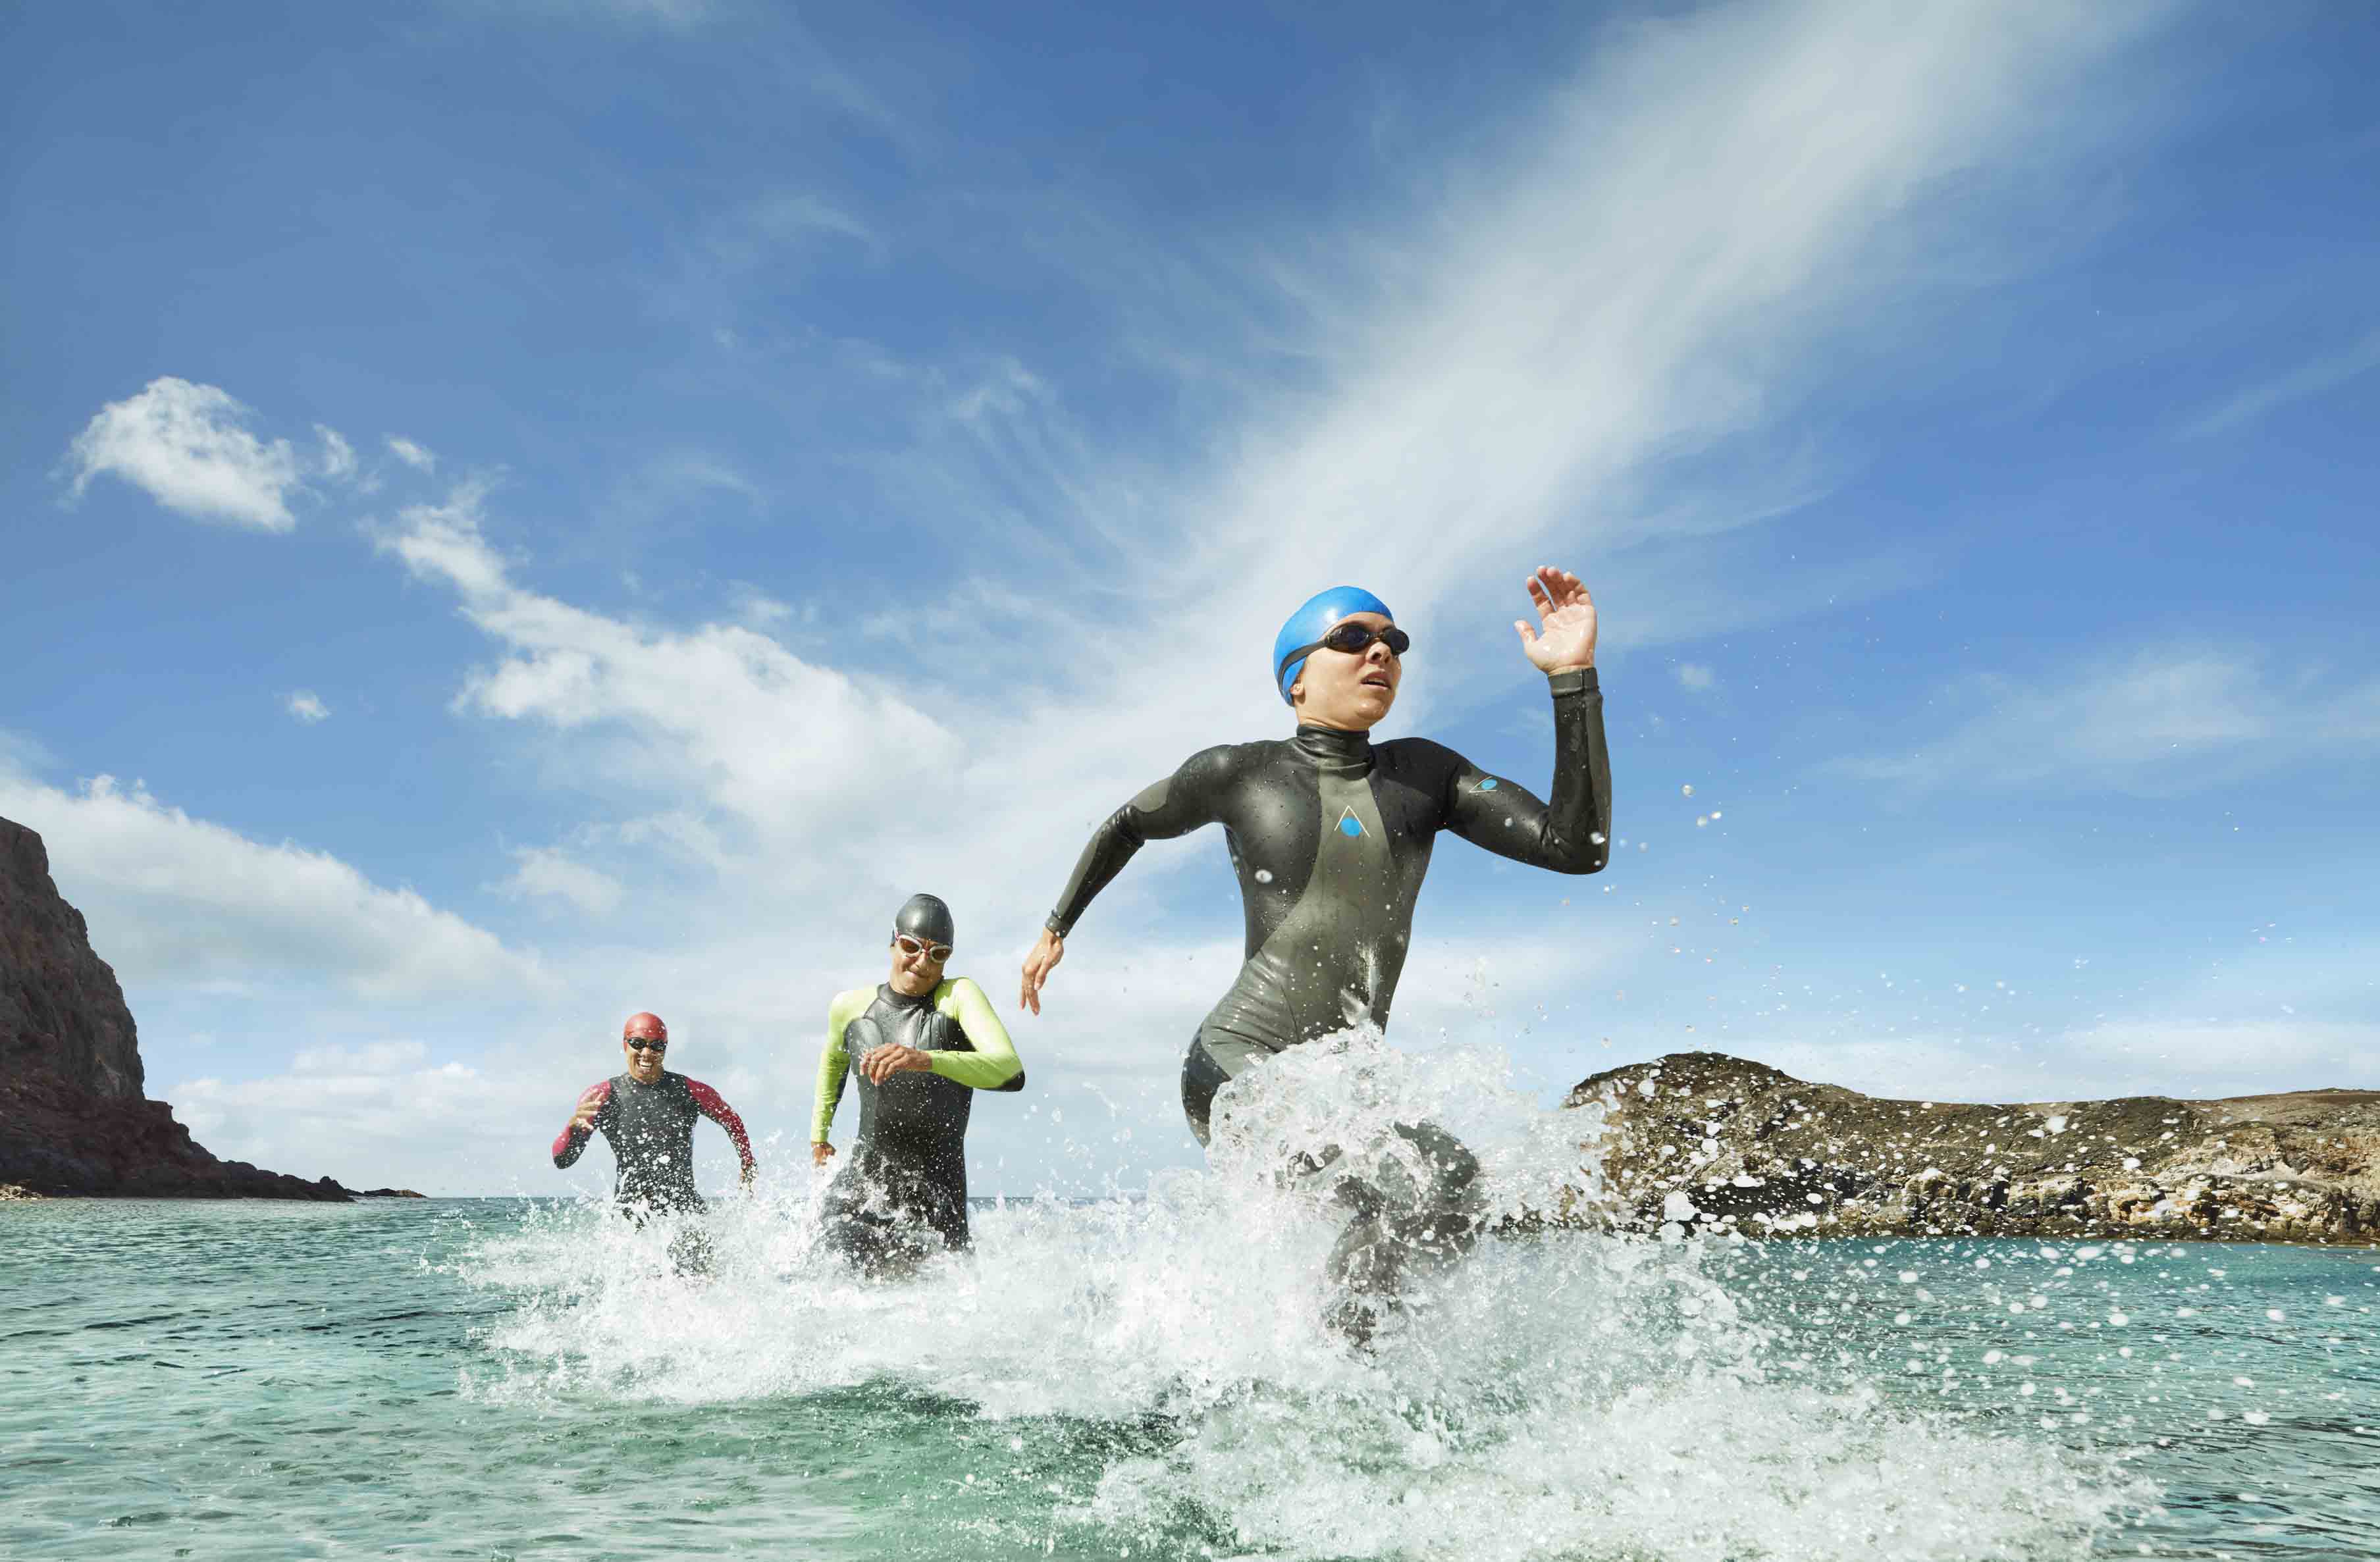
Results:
[1048, 951]
[821, 1152]
[1564, 636]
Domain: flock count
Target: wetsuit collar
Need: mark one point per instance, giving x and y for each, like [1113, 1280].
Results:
[920, 1001]
[1331, 749]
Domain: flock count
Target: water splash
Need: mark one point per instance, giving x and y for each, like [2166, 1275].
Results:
[1560, 1393]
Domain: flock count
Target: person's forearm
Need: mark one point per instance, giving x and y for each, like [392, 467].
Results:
[833, 1066]
[1577, 833]
[566, 1149]
[711, 1104]
[1110, 846]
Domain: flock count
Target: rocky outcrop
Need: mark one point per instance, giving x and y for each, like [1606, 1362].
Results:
[74, 1117]
[1701, 1140]
[60, 1012]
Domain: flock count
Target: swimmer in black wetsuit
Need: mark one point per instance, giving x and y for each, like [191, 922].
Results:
[647, 1115]
[924, 1046]
[1330, 836]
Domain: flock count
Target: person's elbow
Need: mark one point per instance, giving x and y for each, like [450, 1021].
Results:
[1579, 858]
[1014, 1082]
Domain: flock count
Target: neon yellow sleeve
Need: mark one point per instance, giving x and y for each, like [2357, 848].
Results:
[835, 1063]
[994, 1062]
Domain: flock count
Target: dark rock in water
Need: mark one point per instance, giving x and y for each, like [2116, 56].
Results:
[1704, 1140]
[389, 1193]
[73, 1116]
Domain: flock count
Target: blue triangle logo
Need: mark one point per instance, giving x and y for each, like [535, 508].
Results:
[1487, 785]
[1349, 825]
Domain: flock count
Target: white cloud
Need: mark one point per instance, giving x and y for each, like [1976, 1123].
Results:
[1695, 676]
[415, 457]
[776, 750]
[2311, 378]
[2157, 722]
[307, 707]
[2189, 1059]
[177, 900]
[549, 873]
[1633, 283]
[188, 447]
[337, 460]
[376, 1115]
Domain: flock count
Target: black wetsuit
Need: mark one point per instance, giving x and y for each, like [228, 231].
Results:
[907, 1167]
[1331, 834]
[651, 1128]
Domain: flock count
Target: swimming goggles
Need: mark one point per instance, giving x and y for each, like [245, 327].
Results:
[1352, 638]
[918, 946]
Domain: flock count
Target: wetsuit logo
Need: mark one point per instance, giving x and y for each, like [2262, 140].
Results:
[1349, 825]
[1487, 785]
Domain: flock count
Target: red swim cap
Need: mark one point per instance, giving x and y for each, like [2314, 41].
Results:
[649, 1027]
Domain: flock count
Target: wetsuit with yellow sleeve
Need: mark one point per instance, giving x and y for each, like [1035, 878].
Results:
[907, 1167]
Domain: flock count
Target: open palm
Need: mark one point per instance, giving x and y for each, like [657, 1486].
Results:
[1563, 637]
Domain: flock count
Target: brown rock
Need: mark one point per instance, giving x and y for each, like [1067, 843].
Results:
[1756, 1150]
[73, 1115]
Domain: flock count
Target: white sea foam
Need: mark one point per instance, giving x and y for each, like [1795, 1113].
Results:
[1561, 1395]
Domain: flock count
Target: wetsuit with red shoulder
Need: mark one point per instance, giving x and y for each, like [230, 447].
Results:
[650, 1130]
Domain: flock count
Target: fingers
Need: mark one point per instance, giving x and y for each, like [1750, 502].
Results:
[1551, 589]
[1037, 966]
[1529, 636]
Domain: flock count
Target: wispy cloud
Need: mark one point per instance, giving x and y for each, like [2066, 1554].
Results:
[337, 460]
[174, 898]
[2311, 379]
[1614, 305]
[418, 458]
[2190, 1058]
[189, 447]
[549, 873]
[307, 706]
[2160, 721]
[1695, 676]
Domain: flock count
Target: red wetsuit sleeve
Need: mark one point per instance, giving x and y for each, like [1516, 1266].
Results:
[708, 1102]
[572, 1139]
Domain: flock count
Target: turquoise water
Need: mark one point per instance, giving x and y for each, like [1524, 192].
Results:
[1147, 1378]
[252, 1380]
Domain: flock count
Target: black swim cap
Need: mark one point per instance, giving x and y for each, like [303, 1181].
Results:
[924, 916]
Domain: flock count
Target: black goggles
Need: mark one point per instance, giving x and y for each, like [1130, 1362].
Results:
[644, 1043]
[1352, 638]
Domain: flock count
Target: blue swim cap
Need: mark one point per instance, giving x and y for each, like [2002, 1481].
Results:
[1312, 620]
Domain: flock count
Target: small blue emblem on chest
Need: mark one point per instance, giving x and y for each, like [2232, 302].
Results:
[1488, 784]
[1349, 825]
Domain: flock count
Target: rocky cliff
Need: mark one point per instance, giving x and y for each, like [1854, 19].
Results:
[1713, 1142]
[73, 1115]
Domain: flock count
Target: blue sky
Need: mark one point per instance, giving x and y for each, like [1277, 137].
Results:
[523, 512]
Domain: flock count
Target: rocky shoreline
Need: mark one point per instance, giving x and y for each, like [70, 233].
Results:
[75, 1118]
[1707, 1141]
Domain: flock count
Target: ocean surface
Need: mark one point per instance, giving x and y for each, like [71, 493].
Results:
[1147, 1378]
